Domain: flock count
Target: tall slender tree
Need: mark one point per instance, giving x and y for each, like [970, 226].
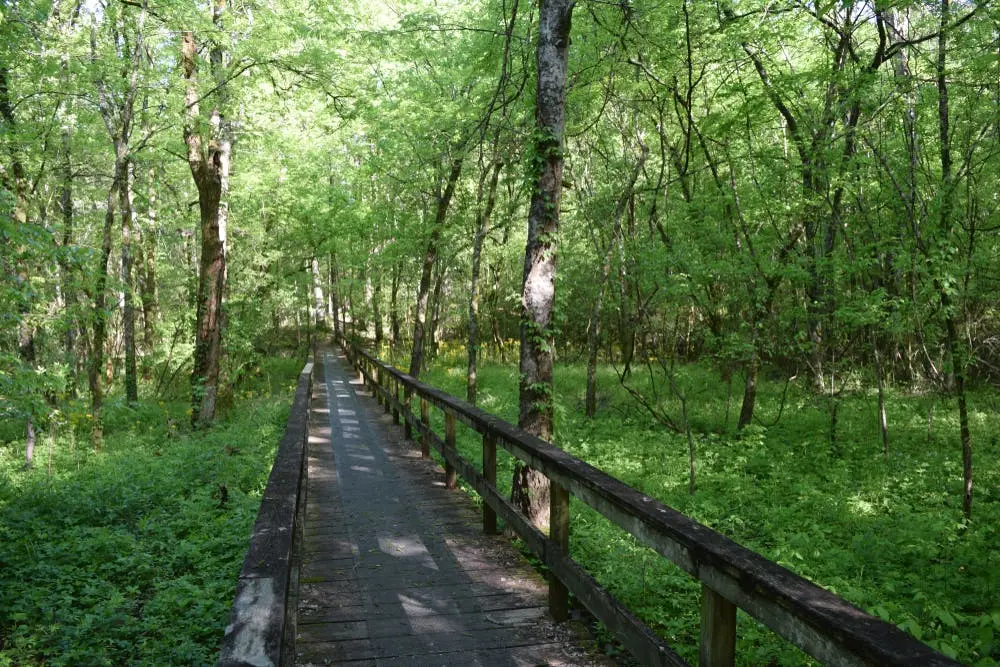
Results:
[530, 488]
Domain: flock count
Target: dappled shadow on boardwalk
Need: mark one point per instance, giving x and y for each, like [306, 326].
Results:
[395, 570]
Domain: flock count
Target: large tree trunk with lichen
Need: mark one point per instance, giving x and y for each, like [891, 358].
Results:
[530, 489]
[210, 169]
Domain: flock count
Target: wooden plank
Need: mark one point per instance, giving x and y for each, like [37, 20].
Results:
[399, 588]
[718, 630]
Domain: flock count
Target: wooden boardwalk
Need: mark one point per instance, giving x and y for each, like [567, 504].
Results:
[395, 569]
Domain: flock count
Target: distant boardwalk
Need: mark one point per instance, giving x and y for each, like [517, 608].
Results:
[395, 568]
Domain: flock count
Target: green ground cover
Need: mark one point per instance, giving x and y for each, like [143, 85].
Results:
[130, 556]
[888, 535]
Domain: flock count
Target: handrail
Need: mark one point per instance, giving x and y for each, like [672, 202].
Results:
[261, 624]
[820, 623]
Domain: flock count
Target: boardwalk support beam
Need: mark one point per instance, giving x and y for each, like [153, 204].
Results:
[559, 535]
[718, 630]
[490, 474]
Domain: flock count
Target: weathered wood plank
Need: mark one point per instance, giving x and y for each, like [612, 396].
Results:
[408, 574]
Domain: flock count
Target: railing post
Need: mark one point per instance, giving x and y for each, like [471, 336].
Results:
[375, 384]
[718, 630]
[490, 473]
[395, 400]
[558, 533]
[407, 413]
[425, 419]
[449, 446]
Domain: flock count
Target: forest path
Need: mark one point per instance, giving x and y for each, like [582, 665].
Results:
[395, 568]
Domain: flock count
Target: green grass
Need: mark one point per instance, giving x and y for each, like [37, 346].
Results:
[888, 535]
[130, 556]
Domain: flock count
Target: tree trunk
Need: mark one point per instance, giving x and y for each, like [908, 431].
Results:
[530, 489]
[482, 229]
[394, 306]
[749, 389]
[953, 340]
[333, 304]
[593, 330]
[150, 291]
[25, 330]
[101, 324]
[594, 335]
[436, 311]
[210, 169]
[128, 302]
[66, 265]
[430, 257]
[377, 308]
[320, 302]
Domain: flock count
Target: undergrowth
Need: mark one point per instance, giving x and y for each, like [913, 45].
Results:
[887, 534]
[130, 555]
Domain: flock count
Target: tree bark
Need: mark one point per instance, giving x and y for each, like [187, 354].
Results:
[333, 304]
[530, 488]
[66, 264]
[101, 323]
[482, 229]
[210, 170]
[377, 307]
[19, 186]
[952, 338]
[430, 257]
[320, 301]
[593, 330]
[394, 306]
[749, 389]
[436, 311]
[149, 293]
[128, 302]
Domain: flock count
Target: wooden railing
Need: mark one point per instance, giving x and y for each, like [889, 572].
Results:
[261, 626]
[820, 623]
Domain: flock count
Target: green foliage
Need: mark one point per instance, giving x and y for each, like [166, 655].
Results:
[888, 536]
[131, 556]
